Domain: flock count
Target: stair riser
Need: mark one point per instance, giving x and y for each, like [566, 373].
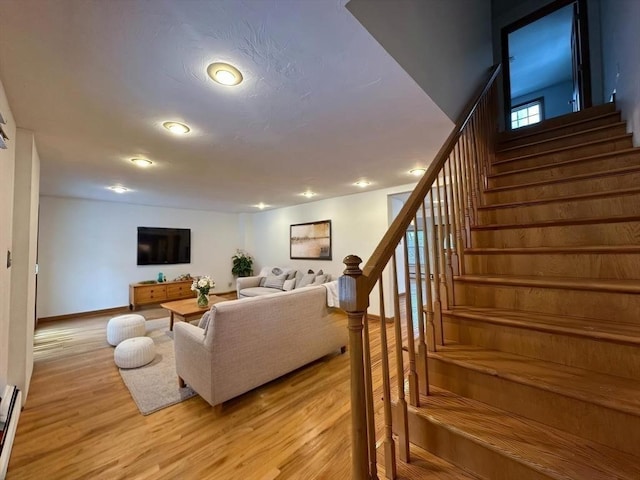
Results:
[584, 265]
[603, 425]
[596, 207]
[623, 307]
[461, 451]
[567, 129]
[627, 233]
[577, 139]
[567, 119]
[602, 356]
[539, 161]
[597, 165]
[577, 187]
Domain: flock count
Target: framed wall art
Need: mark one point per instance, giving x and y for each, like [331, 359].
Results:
[310, 241]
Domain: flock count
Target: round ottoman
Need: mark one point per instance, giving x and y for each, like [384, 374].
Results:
[125, 326]
[134, 352]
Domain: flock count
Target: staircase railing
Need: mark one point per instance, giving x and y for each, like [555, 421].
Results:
[443, 207]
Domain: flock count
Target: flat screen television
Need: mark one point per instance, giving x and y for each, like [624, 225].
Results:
[163, 246]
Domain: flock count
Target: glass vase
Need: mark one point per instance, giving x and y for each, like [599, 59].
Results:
[203, 299]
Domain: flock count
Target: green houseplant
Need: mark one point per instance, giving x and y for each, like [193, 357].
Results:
[242, 264]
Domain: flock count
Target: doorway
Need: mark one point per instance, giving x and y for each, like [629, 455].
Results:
[545, 58]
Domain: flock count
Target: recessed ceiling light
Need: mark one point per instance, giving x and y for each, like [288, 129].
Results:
[224, 74]
[141, 162]
[362, 183]
[261, 206]
[308, 194]
[417, 172]
[176, 127]
[118, 188]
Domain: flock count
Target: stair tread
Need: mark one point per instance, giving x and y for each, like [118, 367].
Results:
[617, 393]
[423, 464]
[565, 148]
[598, 156]
[613, 331]
[555, 453]
[571, 283]
[566, 198]
[565, 136]
[570, 178]
[524, 134]
[563, 221]
[579, 249]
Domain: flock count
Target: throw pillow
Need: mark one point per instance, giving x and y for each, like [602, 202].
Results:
[262, 281]
[276, 271]
[291, 274]
[289, 284]
[320, 279]
[204, 321]
[275, 281]
[306, 280]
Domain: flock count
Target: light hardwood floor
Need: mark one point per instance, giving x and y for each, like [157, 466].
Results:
[80, 421]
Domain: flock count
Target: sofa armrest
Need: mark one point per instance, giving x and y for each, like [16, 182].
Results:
[247, 282]
[191, 352]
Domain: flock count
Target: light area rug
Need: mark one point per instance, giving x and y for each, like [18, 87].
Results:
[155, 385]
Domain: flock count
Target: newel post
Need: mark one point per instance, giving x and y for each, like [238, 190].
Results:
[354, 299]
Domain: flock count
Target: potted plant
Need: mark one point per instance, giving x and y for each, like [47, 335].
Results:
[242, 264]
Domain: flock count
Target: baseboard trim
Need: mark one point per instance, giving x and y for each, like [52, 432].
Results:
[91, 313]
[109, 311]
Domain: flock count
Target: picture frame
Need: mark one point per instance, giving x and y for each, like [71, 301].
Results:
[310, 241]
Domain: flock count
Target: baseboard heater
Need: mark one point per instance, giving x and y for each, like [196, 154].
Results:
[9, 412]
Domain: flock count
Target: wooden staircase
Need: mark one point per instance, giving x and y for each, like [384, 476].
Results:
[539, 374]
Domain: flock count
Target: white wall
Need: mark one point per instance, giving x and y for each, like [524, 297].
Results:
[621, 58]
[444, 45]
[358, 222]
[556, 99]
[7, 165]
[23, 276]
[87, 251]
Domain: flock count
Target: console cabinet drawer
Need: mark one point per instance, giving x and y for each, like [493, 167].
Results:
[144, 294]
[179, 291]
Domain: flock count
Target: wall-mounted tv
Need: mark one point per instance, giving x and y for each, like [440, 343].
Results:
[163, 246]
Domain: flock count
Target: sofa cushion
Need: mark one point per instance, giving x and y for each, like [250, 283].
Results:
[320, 279]
[289, 284]
[257, 291]
[275, 281]
[306, 280]
[204, 321]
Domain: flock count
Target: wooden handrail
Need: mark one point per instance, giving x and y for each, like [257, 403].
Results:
[385, 249]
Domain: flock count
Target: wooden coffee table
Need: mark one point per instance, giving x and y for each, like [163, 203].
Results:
[188, 308]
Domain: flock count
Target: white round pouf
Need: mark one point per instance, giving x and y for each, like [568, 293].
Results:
[134, 352]
[125, 326]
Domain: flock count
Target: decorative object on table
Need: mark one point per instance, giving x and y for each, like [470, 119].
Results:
[242, 264]
[202, 285]
[148, 282]
[310, 241]
[184, 276]
[160, 277]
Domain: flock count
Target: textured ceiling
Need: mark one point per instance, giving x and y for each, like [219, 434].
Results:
[322, 104]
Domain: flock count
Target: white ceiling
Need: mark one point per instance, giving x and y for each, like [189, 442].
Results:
[321, 106]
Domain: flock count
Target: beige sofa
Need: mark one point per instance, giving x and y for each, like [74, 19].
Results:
[259, 284]
[252, 341]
